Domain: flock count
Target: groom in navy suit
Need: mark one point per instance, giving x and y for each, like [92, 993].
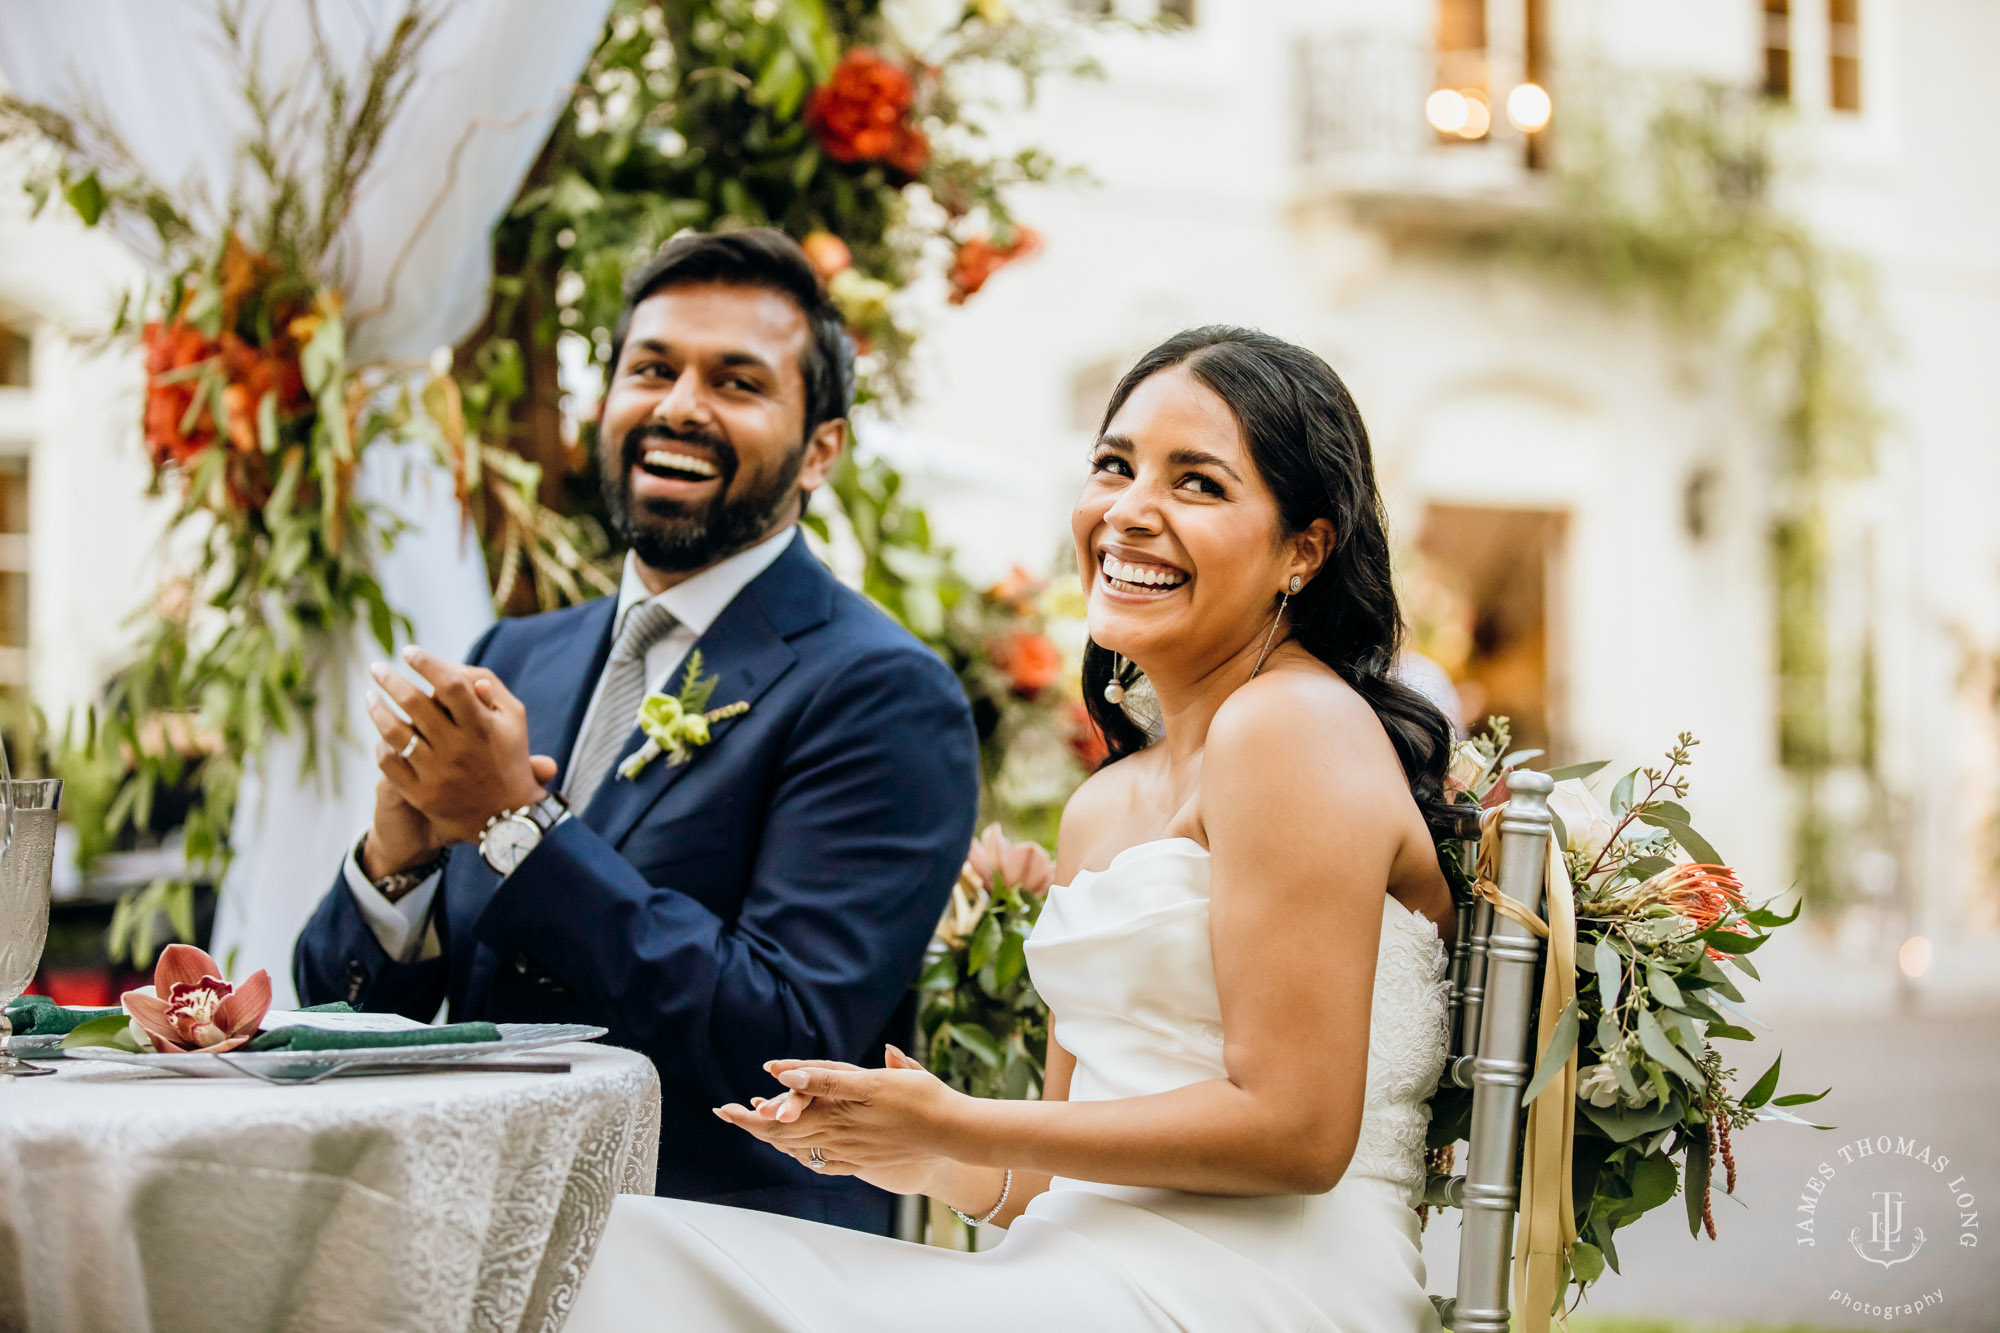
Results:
[764, 893]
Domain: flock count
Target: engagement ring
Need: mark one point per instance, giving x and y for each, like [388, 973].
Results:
[817, 1162]
[410, 748]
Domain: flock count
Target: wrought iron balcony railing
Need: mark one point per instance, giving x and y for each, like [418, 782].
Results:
[1382, 114]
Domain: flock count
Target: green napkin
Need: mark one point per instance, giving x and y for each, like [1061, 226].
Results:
[323, 1039]
[39, 1016]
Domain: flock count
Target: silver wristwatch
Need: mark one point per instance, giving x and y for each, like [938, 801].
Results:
[510, 835]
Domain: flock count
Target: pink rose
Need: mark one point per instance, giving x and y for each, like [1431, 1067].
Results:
[997, 860]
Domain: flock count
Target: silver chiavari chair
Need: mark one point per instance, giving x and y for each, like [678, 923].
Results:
[1494, 974]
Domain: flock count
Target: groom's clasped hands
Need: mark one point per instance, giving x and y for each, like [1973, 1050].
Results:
[453, 757]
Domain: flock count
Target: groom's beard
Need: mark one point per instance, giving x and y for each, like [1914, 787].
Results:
[679, 537]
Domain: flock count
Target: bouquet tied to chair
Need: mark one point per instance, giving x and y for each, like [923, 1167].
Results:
[1649, 936]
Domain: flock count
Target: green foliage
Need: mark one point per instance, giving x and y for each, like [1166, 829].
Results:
[985, 1030]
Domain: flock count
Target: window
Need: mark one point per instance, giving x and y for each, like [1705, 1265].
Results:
[13, 574]
[1843, 44]
[1461, 70]
[1778, 49]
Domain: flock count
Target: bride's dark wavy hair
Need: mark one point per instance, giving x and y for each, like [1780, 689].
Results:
[1308, 444]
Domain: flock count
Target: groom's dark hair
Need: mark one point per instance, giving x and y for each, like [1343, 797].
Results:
[757, 257]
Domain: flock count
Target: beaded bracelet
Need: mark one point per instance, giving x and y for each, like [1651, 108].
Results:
[1006, 1188]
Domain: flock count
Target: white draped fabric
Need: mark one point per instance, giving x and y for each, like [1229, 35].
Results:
[136, 1200]
[413, 260]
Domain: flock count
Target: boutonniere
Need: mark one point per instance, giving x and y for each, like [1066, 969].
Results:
[675, 723]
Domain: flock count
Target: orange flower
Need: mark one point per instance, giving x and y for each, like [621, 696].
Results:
[253, 372]
[828, 254]
[193, 1009]
[1030, 661]
[978, 259]
[1086, 742]
[172, 347]
[1701, 893]
[1018, 589]
[861, 114]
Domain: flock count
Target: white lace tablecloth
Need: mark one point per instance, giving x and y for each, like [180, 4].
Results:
[133, 1200]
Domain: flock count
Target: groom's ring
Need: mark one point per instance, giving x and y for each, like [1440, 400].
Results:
[816, 1161]
[410, 748]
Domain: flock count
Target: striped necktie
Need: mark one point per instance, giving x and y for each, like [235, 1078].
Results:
[620, 692]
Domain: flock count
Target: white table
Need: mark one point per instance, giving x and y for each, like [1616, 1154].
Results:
[135, 1200]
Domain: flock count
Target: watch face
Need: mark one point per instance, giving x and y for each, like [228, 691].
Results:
[508, 843]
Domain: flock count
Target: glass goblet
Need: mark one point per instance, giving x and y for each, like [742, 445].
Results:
[26, 863]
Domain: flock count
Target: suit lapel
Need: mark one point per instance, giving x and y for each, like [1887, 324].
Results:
[746, 656]
[557, 679]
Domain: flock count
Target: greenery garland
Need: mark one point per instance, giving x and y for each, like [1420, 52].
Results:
[256, 421]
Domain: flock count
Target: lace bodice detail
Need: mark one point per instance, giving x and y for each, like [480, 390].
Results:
[1123, 958]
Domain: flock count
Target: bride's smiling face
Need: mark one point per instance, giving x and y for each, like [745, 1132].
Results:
[1177, 534]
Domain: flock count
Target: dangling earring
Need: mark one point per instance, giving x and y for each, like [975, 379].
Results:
[1114, 689]
[1284, 600]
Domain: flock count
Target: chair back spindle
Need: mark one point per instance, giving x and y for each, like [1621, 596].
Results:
[1497, 1015]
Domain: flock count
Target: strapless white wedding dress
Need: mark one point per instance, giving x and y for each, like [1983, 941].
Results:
[1122, 957]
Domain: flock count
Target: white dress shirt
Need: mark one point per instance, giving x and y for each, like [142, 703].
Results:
[404, 927]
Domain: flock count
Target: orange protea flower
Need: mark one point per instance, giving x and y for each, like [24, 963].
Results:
[1701, 893]
[978, 259]
[193, 1009]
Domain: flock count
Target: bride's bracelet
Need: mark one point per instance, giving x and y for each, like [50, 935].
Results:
[1006, 1188]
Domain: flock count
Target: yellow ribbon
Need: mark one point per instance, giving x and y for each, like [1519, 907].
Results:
[1545, 1226]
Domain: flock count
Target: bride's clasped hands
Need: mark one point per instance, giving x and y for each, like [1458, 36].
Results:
[893, 1126]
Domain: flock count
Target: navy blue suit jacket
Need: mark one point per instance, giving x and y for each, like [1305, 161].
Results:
[770, 898]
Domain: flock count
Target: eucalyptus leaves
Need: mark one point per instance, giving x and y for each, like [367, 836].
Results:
[1664, 934]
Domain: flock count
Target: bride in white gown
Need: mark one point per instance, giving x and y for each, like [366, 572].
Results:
[1242, 958]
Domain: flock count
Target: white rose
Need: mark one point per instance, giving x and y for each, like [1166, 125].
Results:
[1466, 765]
[1598, 1086]
[918, 23]
[1583, 817]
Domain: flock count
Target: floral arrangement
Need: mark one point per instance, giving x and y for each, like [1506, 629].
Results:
[255, 421]
[1664, 931]
[985, 1031]
[858, 128]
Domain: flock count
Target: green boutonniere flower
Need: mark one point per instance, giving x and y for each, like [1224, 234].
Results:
[675, 723]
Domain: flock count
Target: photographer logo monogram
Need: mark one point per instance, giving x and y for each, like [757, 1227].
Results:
[1887, 1205]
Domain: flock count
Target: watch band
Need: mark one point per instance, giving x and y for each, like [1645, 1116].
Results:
[401, 883]
[540, 816]
[544, 814]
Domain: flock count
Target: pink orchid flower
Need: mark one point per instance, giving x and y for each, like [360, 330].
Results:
[996, 859]
[193, 1009]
